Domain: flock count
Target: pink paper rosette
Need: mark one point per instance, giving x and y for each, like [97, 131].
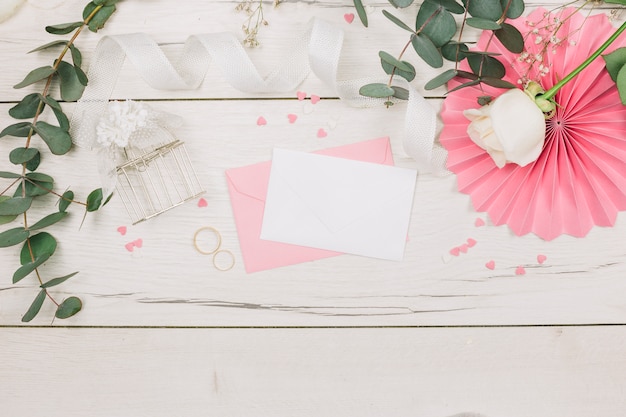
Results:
[579, 180]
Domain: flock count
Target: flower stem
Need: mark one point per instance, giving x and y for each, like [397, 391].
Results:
[552, 92]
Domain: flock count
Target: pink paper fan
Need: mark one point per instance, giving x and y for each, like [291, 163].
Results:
[579, 180]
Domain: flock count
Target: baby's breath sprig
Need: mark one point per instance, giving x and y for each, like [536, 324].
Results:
[256, 19]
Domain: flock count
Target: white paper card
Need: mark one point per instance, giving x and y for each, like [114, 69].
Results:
[338, 204]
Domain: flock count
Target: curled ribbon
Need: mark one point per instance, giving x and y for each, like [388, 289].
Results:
[317, 50]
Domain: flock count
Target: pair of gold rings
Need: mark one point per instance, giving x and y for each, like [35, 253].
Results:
[215, 251]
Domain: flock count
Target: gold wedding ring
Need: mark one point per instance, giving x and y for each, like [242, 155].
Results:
[215, 251]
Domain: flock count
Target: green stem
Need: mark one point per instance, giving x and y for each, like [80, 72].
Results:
[552, 92]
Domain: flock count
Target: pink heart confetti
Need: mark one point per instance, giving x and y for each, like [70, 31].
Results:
[491, 265]
[315, 99]
[464, 247]
[261, 121]
[130, 246]
[471, 242]
[138, 243]
[541, 259]
[202, 203]
[348, 17]
[292, 117]
[321, 133]
[455, 251]
[479, 222]
[122, 230]
[520, 270]
[301, 95]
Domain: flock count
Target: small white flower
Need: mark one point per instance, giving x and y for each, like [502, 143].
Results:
[121, 120]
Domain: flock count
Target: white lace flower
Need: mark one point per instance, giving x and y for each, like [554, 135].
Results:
[121, 120]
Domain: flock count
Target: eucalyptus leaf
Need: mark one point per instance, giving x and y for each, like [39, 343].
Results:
[407, 75]
[63, 28]
[56, 281]
[33, 164]
[66, 200]
[69, 307]
[64, 122]
[615, 61]
[35, 75]
[621, 84]
[19, 130]
[467, 75]
[13, 237]
[15, 205]
[34, 308]
[427, 50]
[38, 176]
[510, 37]
[497, 82]
[82, 77]
[49, 220]
[389, 59]
[27, 108]
[454, 51]
[49, 45]
[400, 93]
[441, 79]
[464, 85]
[450, 5]
[20, 156]
[42, 244]
[28, 268]
[480, 23]
[94, 200]
[486, 66]
[360, 11]
[77, 57]
[377, 90]
[57, 139]
[486, 9]
[6, 219]
[71, 86]
[516, 8]
[6, 174]
[397, 21]
[33, 188]
[401, 4]
[106, 2]
[436, 22]
[100, 18]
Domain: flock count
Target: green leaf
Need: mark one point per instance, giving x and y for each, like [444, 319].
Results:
[33, 188]
[64, 122]
[94, 200]
[19, 130]
[69, 307]
[105, 2]
[485, 9]
[13, 237]
[407, 75]
[464, 85]
[27, 108]
[56, 281]
[71, 86]
[401, 4]
[385, 57]
[82, 77]
[5, 174]
[397, 21]
[486, 66]
[15, 205]
[510, 37]
[34, 308]
[377, 90]
[516, 8]
[38, 176]
[615, 61]
[106, 201]
[441, 79]
[66, 200]
[450, 5]
[77, 57]
[435, 22]
[33, 164]
[481, 23]
[57, 139]
[19, 156]
[454, 51]
[427, 50]
[63, 28]
[400, 93]
[42, 244]
[6, 219]
[28, 268]
[49, 220]
[49, 45]
[360, 11]
[100, 18]
[621, 84]
[497, 82]
[35, 75]
[467, 75]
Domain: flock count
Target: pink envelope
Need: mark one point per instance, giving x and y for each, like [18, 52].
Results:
[247, 187]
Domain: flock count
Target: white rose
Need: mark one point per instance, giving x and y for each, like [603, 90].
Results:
[511, 128]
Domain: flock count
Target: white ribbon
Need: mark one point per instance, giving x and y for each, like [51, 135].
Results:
[317, 50]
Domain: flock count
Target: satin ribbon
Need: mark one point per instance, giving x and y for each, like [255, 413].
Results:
[318, 50]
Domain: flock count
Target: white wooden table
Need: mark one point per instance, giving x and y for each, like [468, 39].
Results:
[162, 333]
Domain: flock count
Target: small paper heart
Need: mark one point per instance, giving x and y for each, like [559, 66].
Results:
[455, 251]
[122, 230]
[315, 99]
[479, 222]
[471, 242]
[541, 259]
[332, 123]
[464, 247]
[138, 243]
[292, 117]
[321, 133]
[130, 246]
[307, 108]
[520, 270]
[261, 121]
[301, 95]
[348, 17]
[491, 265]
[202, 203]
